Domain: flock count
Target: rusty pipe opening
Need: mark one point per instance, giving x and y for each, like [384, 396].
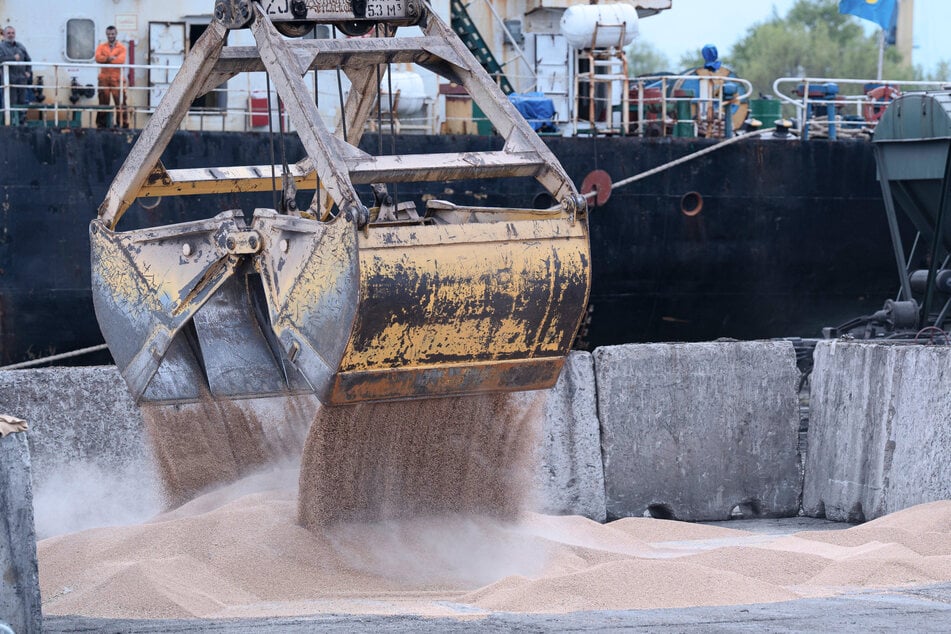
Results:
[691, 204]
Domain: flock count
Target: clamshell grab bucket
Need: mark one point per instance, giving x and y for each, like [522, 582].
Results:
[348, 303]
[404, 311]
[457, 309]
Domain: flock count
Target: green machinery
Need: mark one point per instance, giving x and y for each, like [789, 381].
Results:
[913, 156]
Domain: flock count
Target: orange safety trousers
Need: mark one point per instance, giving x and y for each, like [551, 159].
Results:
[109, 91]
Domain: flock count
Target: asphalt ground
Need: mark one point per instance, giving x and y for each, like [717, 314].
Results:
[918, 609]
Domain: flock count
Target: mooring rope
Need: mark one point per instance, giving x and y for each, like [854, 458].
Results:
[681, 160]
[591, 194]
[55, 357]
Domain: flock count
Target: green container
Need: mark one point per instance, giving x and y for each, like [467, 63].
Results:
[766, 110]
[685, 129]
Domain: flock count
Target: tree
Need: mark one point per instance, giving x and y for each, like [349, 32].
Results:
[942, 72]
[644, 59]
[691, 59]
[813, 40]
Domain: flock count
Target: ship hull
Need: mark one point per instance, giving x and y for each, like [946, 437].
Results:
[790, 237]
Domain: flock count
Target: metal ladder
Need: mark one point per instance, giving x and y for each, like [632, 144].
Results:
[466, 29]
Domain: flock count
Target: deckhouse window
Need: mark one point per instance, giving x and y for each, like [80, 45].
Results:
[80, 39]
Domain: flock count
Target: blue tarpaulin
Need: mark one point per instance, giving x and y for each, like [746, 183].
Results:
[710, 55]
[537, 109]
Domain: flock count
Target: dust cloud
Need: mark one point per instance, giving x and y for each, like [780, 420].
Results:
[74, 497]
[460, 551]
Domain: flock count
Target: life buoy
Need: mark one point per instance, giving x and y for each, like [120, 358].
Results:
[878, 100]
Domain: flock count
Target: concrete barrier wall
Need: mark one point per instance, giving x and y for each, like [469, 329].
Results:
[570, 479]
[91, 464]
[19, 580]
[880, 429]
[76, 415]
[694, 431]
[699, 431]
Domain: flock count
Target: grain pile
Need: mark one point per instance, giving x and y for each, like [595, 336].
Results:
[236, 552]
[419, 508]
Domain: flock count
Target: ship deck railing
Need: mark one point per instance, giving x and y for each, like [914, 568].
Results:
[66, 95]
[659, 102]
[58, 99]
[833, 106]
[68, 98]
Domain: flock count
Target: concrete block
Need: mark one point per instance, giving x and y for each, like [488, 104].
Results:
[19, 585]
[91, 462]
[699, 431]
[879, 436]
[570, 478]
[81, 414]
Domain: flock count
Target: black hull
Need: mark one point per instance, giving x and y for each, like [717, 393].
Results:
[791, 236]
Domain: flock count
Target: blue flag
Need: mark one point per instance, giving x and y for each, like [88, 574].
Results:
[878, 11]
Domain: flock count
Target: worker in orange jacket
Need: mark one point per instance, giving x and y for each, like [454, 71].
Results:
[111, 52]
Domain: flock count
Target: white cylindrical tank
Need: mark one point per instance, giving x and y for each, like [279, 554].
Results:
[410, 89]
[599, 25]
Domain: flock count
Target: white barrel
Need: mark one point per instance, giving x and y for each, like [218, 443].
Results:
[408, 88]
[599, 25]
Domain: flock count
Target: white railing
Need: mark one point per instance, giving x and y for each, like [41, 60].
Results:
[814, 98]
[711, 102]
[242, 104]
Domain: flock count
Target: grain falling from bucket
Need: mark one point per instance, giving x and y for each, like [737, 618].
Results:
[211, 443]
[383, 461]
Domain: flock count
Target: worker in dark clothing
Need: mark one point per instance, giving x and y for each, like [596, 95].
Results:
[21, 75]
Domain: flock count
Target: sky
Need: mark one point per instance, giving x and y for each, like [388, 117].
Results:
[692, 23]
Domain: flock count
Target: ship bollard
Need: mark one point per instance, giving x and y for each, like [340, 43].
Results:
[831, 91]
